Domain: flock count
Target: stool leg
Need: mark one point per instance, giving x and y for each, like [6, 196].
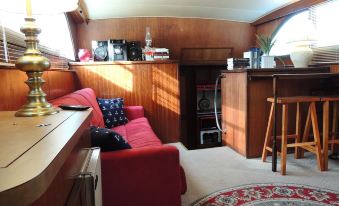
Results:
[316, 136]
[268, 134]
[307, 129]
[297, 132]
[284, 138]
[334, 124]
[326, 108]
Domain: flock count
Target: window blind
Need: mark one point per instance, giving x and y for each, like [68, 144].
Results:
[325, 55]
[324, 16]
[12, 46]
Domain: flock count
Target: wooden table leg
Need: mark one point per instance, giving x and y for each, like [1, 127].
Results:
[284, 139]
[297, 132]
[320, 159]
[268, 134]
[274, 143]
[334, 125]
[326, 107]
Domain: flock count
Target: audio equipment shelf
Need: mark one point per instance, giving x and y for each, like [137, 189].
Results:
[197, 109]
[121, 62]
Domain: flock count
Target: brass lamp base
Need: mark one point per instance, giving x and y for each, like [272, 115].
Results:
[34, 64]
[27, 111]
[37, 104]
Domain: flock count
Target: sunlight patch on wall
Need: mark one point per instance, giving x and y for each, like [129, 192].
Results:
[167, 100]
[119, 76]
[161, 78]
[165, 90]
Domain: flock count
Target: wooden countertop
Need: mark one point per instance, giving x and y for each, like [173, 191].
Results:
[31, 156]
[121, 62]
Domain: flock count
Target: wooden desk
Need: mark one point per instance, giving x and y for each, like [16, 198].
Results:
[245, 109]
[38, 163]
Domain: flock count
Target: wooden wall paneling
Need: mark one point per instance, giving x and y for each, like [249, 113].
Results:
[234, 111]
[154, 86]
[334, 68]
[172, 33]
[14, 90]
[166, 101]
[60, 83]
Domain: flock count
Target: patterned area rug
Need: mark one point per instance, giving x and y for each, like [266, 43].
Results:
[271, 195]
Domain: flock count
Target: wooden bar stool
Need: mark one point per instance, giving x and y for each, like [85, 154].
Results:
[326, 110]
[312, 146]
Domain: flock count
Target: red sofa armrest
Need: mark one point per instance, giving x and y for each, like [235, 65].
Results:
[141, 176]
[134, 112]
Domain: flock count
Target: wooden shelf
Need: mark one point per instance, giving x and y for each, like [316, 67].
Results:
[121, 62]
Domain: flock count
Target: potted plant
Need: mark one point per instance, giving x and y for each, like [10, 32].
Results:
[266, 43]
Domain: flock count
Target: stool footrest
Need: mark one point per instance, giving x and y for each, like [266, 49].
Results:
[301, 144]
[270, 150]
[289, 136]
[309, 148]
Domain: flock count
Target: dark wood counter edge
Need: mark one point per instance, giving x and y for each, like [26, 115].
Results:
[122, 63]
[40, 182]
[275, 70]
[298, 76]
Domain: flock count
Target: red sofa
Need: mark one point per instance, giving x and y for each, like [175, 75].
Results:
[146, 175]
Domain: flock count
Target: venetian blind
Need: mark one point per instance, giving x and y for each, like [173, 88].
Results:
[14, 46]
[326, 48]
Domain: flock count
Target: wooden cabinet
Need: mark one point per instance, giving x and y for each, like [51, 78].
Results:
[245, 108]
[40, 157]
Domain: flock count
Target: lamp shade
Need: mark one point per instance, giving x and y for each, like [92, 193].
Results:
[306, 36]
[39, 6]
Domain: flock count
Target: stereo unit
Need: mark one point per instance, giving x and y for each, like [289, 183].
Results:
[210, 136]
[117, 50]
[100, 50]
[134, 51]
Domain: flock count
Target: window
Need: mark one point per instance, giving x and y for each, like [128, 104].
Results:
[55, 41]
[318, 22]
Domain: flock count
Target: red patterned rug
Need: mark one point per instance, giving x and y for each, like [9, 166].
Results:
[271, 194]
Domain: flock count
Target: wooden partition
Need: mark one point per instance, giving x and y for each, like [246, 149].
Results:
[13, 89]
[154, 85]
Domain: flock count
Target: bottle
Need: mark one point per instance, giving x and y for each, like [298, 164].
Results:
[148, 38]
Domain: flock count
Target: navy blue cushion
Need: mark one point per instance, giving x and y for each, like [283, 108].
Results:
[107, 139]
[113, 111]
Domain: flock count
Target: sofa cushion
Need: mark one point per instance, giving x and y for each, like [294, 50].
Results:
[138, 133]
[84, 97]
[107, 139]
[113, 111]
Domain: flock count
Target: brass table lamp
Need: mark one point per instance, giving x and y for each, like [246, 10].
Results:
[32, 62]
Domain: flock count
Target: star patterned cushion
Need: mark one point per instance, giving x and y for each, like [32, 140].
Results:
[113, 111]
[107, 140]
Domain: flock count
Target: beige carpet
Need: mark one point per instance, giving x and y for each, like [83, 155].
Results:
[210, 170]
